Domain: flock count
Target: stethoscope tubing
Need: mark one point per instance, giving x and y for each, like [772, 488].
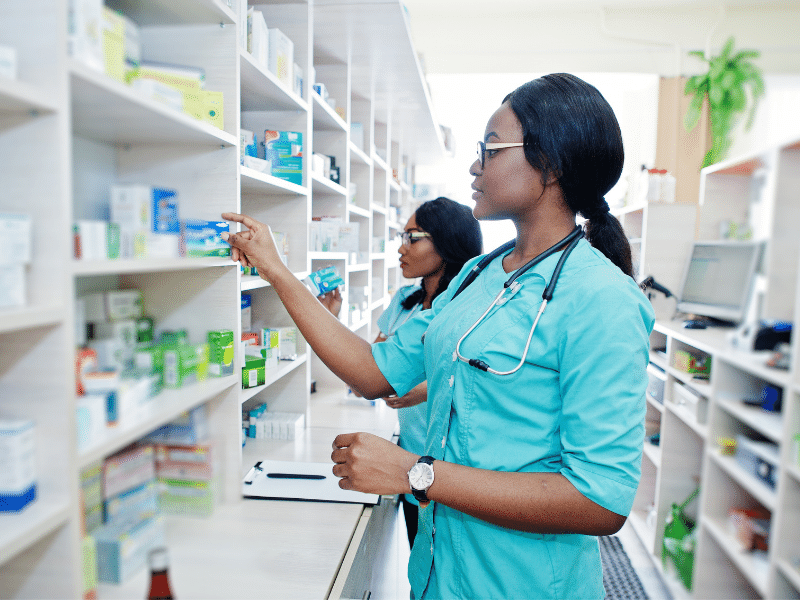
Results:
[572, 240]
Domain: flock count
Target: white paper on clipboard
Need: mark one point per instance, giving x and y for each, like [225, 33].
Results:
[324, 487]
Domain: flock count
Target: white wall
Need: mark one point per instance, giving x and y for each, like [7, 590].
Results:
[465, 102]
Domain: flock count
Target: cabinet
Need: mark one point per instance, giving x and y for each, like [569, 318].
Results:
[68, 132]
[695, 417]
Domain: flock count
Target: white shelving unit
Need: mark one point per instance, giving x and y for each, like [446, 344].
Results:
[759, 190]
[67, 133]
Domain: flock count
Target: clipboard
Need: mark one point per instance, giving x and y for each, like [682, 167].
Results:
[288, 480]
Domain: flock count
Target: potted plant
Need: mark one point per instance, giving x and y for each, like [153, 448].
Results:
[725, 86]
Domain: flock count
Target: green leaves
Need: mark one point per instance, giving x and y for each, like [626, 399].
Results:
[725, 87]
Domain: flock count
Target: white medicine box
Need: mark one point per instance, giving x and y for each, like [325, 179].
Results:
[17, 464]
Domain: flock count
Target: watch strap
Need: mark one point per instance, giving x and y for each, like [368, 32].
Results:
[422, 495]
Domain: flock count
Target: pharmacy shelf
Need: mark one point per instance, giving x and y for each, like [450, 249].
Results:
[163, 408]
[107, 110]
[32, 316]
[19, 531]
[358, 211]
[377, 208]
[272, 375]
[263, 91]
[89, 268]
[652, 452]
[269, 185]
[688, 418]
[321, 186]
[359, 155]
[754, 486]
[794, 471]
[22, 98]
[175, 12]
[379, 163]
[791, 572]
[328, 255]
[326, 118]
[766, 423]
[753, 565]
[358, 267]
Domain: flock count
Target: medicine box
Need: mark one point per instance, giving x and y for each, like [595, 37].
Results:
[15, 238]
[114, 305]
[136, 504]
[323, 281]
[248, 144]
[122, 547]
[128, 469]
[220, 359]
[13, 288]
[288, 343]
[91, 413]
[695, 364]
[201, 238]
[187, 497]
[17, 464]
[284, 150]
[247, 311]
[190, 462]
[8, 62]
[759, 459]
[751, 527]
[281, 56]
[253, 372]
[190, 427]
[180, 365]
[114, 44]
[91, 491]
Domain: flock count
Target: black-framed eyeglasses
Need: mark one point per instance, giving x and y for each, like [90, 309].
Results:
[411, 237]
[484, 146]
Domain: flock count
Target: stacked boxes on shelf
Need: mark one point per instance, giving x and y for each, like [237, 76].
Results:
[284, 151]
[109, 42]
[262, 424]
[186, 476]
[133, 525]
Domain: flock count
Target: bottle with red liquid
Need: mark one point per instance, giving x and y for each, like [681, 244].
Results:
[158, 560]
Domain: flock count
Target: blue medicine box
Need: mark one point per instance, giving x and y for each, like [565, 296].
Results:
[284, 149]
[204, 238]
[165, 211]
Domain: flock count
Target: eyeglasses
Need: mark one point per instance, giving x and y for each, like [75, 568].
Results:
[483, 147]
[412, 237]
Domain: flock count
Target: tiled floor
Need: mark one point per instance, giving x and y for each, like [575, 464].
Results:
[641, 561]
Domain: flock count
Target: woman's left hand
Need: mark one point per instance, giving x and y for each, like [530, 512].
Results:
[368, 463]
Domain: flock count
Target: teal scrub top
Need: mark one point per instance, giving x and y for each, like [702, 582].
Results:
[413, 419]
[576, 407]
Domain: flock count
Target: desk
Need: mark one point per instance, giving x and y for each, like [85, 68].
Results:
[285, 549]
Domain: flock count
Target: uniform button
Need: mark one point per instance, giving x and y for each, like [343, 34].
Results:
[451, 380]
[444, 441]
[431, 549]
[455, 356]
[434, 530]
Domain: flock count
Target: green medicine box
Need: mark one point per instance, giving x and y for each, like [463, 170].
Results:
[220, 352]
[253, 372]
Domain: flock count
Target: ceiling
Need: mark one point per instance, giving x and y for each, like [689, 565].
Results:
[642, 36]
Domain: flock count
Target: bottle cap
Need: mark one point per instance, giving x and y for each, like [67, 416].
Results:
[158, 559]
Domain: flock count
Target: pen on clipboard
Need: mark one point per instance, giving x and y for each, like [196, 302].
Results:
[294, 476]
[248, 479]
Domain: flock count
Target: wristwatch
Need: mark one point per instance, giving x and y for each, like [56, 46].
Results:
[420, 478]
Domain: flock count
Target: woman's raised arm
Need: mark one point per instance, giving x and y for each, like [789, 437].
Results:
[345, 353]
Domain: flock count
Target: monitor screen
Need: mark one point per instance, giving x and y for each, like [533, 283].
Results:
[718, 280]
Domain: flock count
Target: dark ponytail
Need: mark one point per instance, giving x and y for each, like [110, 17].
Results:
[456, 237]
[570, 131]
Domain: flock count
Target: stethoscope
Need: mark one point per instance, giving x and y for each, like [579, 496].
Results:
[514, 286]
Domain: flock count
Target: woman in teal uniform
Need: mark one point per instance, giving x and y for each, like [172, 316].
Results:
[438, 239]
[536, 369]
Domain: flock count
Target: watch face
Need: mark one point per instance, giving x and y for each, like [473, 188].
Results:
[421, 476]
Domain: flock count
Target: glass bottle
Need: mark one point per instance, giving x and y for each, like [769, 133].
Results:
[158, 559]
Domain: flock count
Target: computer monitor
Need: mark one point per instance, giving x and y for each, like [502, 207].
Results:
[718, 280]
